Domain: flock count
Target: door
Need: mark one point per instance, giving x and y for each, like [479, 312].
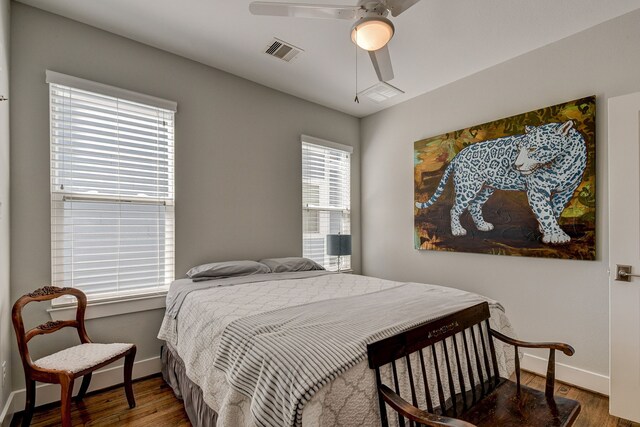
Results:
[624, 249]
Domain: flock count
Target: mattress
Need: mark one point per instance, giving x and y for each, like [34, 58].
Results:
[193, 329]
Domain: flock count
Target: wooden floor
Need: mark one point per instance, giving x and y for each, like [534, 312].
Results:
[594, 410]
[157, 407]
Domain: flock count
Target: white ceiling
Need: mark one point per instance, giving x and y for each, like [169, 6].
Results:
[436, 41]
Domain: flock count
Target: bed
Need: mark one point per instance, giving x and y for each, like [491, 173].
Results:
[220, 333]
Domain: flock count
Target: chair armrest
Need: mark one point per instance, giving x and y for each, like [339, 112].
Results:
[409, 411]
[565, 348]
[551, 365]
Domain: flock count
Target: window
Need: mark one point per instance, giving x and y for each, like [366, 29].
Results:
[112, 189]
[326, 200]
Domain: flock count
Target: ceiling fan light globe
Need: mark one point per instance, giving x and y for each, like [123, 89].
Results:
[372, 33]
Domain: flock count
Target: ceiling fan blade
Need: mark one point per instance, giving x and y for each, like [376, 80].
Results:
[398, 6]
[382, 63]
[300, 10]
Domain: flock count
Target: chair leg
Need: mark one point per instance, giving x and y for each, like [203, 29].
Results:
[30, 404]
[86, 380]
[66, 388]
[128, 370]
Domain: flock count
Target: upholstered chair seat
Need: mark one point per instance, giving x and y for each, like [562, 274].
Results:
[81, 357]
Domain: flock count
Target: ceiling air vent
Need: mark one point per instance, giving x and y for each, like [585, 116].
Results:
[380, 92]
[282, 50]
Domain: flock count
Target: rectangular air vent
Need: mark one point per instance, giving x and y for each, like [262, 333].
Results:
[380, 92]
[282, 50]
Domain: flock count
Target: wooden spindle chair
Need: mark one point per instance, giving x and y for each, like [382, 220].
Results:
[66, 365]
[468, 389]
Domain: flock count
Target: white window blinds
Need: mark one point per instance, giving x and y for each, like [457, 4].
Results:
[326, 198]
[112, 193]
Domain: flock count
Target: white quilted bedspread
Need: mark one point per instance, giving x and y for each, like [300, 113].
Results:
[349, 400]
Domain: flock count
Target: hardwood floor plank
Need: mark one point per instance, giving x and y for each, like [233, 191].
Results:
[594, 407]
[157, 406]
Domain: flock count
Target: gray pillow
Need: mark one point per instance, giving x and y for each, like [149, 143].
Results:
[281, 265]
[228, 269]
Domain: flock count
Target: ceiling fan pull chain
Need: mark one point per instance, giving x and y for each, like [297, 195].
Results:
[356, 100]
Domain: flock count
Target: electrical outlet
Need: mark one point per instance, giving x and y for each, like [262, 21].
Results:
[4, 372]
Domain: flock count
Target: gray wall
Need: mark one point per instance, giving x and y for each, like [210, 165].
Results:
[5, 304]
[238, 158]
[546, 299]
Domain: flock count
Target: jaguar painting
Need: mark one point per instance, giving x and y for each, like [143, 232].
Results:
[547, 162]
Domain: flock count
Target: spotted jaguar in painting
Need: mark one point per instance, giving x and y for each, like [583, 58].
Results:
[546, 161]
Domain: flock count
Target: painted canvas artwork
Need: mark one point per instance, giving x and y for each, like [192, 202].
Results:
[523, 185]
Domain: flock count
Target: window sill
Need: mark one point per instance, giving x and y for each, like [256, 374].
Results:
[98, 309]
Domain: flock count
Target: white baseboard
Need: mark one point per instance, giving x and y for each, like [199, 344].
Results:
[568, 374]
[48, 393]
[5, 415]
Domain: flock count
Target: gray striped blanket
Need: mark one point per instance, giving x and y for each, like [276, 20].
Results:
[279, 359]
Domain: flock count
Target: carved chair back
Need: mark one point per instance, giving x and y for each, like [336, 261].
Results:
[47, 293]
[462, 357]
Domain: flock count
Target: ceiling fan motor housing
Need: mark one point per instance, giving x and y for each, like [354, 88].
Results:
[372, 9]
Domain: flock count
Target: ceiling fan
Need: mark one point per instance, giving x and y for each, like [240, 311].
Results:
[371, 31]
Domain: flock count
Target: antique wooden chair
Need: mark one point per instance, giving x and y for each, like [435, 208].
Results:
[469, 365]
[66, 365]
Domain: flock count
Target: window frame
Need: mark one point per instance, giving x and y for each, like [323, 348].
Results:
[114, 302]
[307, 181]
